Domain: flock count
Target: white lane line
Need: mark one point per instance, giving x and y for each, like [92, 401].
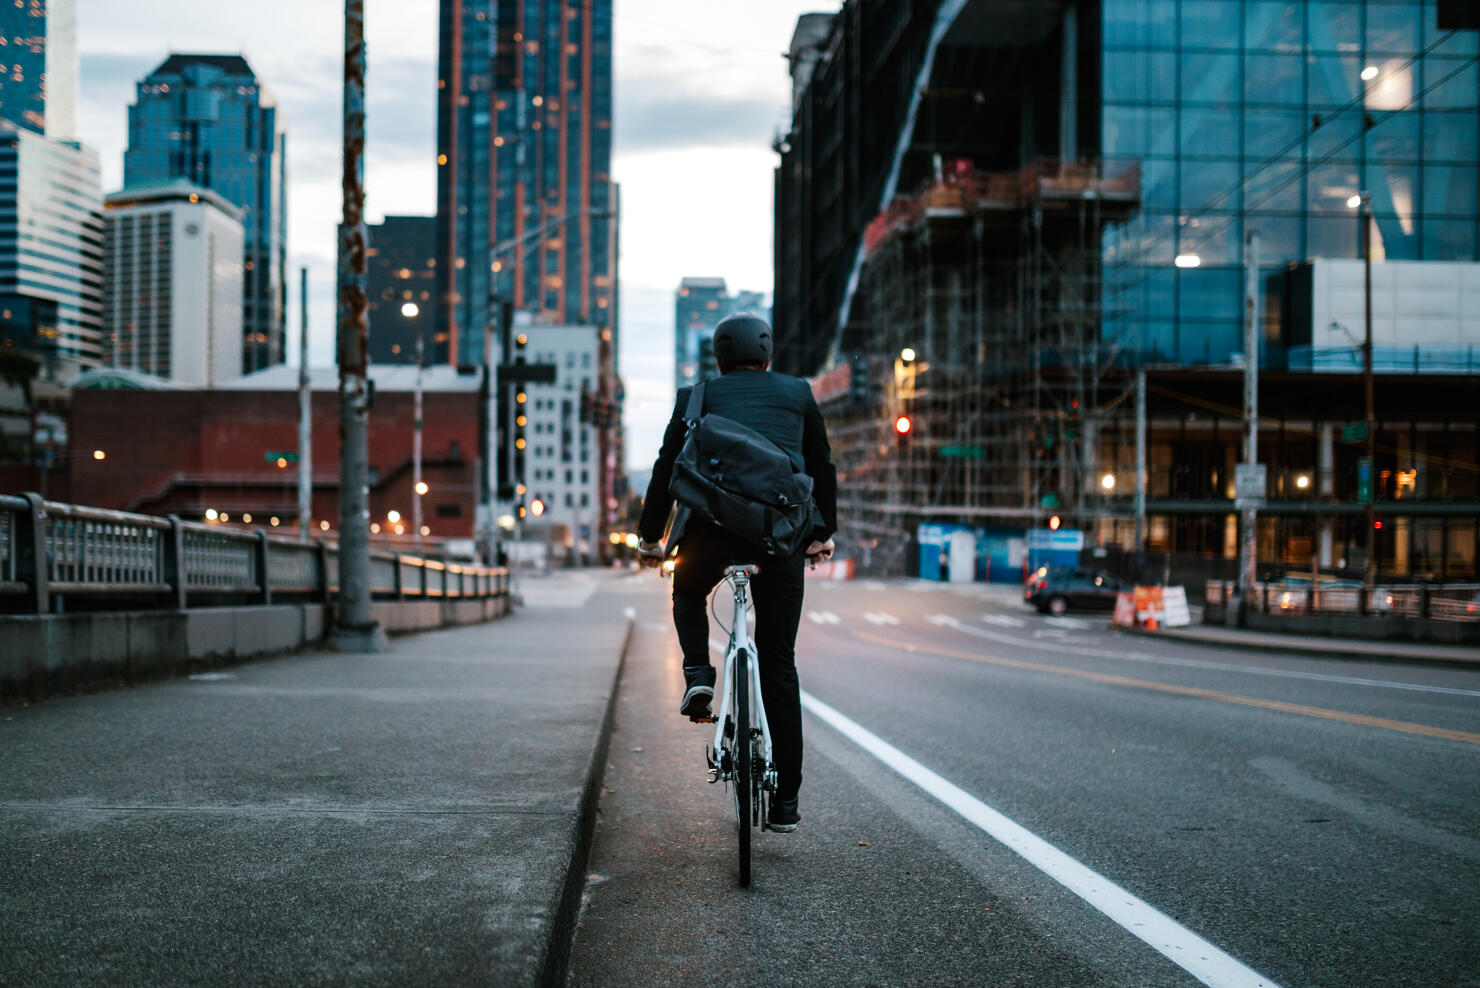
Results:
[880, 617]
[1184, 948]
[1059, 646]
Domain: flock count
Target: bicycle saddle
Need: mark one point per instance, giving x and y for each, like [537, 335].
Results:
[749, 569]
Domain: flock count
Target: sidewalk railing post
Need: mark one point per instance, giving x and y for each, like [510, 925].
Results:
[174, 563]
[264, 578]
[322, 554]
[31, 562]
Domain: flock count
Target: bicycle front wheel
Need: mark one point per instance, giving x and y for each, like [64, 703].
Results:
[743, 766]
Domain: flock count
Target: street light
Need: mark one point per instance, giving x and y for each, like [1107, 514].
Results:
[421, 487]
[1362, 203]
[1369, 73]
[410, 310]
[1187, 260]
[907, 354]
[1108, 481]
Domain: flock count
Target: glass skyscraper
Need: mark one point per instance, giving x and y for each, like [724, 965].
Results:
[209, 120]
[524, 191]
[51, 250]
[38, 66]
[698, 306]
[1256, 115]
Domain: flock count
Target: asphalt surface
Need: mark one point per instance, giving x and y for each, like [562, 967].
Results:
[1316, 819]
[407, 818]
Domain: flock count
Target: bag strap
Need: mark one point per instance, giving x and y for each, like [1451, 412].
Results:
[696, 404]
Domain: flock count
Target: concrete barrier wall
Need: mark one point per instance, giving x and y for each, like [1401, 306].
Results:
[41, 655]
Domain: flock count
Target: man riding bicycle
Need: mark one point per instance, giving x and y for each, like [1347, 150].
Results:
[782, 409]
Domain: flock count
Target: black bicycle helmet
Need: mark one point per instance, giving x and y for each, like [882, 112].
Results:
[742, 339]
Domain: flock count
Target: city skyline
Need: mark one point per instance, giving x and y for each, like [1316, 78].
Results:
[699, 96]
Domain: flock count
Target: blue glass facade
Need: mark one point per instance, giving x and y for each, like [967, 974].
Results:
[207, 119]
[38, 65]
[524, 164]
[51, 250]
[1256, 115]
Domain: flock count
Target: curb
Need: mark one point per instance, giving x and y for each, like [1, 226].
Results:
[1283, 648]
[568, 910]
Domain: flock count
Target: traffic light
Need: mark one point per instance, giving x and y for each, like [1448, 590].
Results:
[1377, 523]
[903, 426]
[537, 507]
[1055, 522]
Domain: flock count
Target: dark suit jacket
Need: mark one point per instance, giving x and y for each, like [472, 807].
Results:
[779, 407]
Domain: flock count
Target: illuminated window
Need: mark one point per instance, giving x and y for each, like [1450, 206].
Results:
[441, 159]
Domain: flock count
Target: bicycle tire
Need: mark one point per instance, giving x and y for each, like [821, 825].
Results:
[744, 770]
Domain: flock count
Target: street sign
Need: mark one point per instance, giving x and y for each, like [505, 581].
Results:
[528, 373]
[1249, 480]
[1049, 500]
[1354, 432]
[290, 456]
[962, 452]
[1364, 480]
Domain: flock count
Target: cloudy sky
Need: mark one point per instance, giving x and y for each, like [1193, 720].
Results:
[701, 90]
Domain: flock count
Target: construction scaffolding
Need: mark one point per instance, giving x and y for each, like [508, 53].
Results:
[979, 320]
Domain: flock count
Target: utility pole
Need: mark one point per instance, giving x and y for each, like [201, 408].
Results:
[354, 628]
[1370, 576]
[1140, 470]
[305, 416]
[1249, 543]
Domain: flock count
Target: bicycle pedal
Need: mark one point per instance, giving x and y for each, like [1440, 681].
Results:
[703, 720]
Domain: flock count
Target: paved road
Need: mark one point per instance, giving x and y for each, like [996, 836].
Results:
[1261, 818]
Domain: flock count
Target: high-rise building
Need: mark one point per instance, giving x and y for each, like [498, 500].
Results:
[1270, 117]
[51, 250]
[209, 120]
[563, 458]
[38, 66]
[524, 190]
[401, 289]
[172, 283]
[698, 306]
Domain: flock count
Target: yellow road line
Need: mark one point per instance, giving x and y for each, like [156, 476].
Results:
[1146, 684]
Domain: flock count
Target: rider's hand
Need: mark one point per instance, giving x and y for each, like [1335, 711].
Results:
[650, 554]
[820, 551]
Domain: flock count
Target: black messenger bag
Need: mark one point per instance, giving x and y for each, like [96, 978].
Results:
[732, 476]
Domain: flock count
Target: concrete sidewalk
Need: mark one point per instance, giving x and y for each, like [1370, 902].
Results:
[419, 817]
[1345, 648]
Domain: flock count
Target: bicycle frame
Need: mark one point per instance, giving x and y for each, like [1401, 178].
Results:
[740, 638]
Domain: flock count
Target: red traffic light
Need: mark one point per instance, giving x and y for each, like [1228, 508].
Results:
[903, 425]
[537, 507]
[1377, 523]
[1055, 522]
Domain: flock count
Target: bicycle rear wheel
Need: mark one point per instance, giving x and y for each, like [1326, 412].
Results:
[743, 766]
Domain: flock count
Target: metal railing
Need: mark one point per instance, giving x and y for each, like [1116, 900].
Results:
[1424, 601]
[50, 552]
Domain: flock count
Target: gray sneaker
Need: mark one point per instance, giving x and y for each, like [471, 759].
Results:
[783, 817]
[700, 692]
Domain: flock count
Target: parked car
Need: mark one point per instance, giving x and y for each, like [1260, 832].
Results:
[1054, 591]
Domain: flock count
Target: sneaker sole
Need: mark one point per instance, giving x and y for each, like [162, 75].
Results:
[695, 705]
[782, 828]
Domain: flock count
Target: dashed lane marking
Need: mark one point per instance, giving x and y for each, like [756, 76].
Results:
[879, 617]
[1003, 620]
[823, 617]
[1078, 624]
[1281, 706]
[1184, 948]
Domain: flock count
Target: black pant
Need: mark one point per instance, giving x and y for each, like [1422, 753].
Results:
[777, 592]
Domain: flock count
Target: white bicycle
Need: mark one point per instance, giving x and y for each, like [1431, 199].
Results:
[741, 753]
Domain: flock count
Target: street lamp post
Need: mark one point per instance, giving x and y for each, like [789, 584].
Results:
[1364, 213]
[410, 311]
